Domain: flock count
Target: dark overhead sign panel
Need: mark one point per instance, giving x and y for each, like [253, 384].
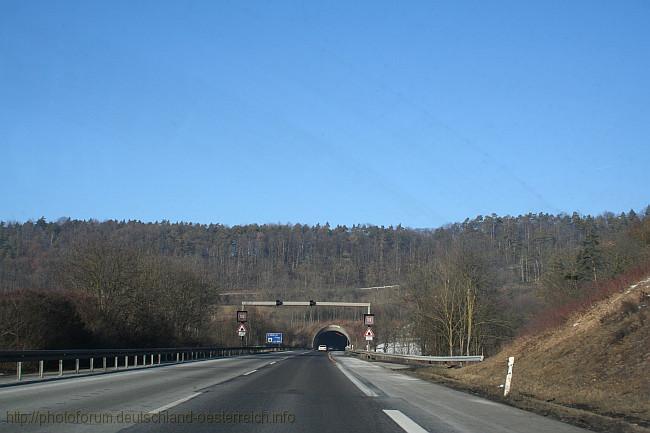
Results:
[242, 316]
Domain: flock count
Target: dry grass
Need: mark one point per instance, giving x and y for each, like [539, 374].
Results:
[598, 361]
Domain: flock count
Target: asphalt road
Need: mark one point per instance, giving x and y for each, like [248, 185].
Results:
[302, 391]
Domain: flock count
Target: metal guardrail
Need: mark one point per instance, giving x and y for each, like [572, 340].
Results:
[413, 359]
[36, 355]
[121, 359]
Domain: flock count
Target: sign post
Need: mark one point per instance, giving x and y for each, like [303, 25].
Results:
[369, 321]
[241, 331]
[369, 336]
[242, 317]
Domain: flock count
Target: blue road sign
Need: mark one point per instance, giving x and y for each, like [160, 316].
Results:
[274, 337]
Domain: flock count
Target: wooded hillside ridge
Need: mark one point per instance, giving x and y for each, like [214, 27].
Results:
[464, 287]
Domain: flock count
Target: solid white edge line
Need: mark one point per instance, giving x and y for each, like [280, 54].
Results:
[407, 424]
[363, 388]
[174, 403]
[271, 363]
[250, 372]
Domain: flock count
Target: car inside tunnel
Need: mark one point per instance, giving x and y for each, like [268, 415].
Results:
[334, 340]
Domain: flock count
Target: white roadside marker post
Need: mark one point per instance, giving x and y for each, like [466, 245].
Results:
[506, 388]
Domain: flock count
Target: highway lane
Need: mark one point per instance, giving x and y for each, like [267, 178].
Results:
[440, 409]
[136, 391]
[309, 389]
[304, 391]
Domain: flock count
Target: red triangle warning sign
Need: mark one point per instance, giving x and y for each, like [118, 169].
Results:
[241, 328]
[369, 333]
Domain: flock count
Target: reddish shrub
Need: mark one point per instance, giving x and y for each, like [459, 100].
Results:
[557, 315]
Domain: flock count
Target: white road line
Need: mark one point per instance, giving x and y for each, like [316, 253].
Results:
[363, 388]
[407, 424]
[174, 403]
[250, 372]
[271, 363]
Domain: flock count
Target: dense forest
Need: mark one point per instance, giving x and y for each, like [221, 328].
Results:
[463, 288]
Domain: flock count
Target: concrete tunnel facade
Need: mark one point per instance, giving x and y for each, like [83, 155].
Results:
[334, 336]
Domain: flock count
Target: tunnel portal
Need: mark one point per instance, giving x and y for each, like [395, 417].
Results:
[332, 336]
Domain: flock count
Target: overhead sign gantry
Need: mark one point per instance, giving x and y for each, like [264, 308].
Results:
[310, 303]
[368, 319]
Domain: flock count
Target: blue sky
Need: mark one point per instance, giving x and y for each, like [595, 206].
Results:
[419, 113]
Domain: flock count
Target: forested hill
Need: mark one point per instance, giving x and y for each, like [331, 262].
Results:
[534, 255]
[520, 249]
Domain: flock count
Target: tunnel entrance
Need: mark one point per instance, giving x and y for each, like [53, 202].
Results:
[332, 336]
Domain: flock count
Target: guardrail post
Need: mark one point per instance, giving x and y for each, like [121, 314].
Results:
[76, 366]
[40, 369]
[183, 357]
[116, 361]
[19, 370]
[178, 357]
[60, 367]
[135, 361]
[151, 363]
[92, 365]
[126, 361]
[159, 359]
